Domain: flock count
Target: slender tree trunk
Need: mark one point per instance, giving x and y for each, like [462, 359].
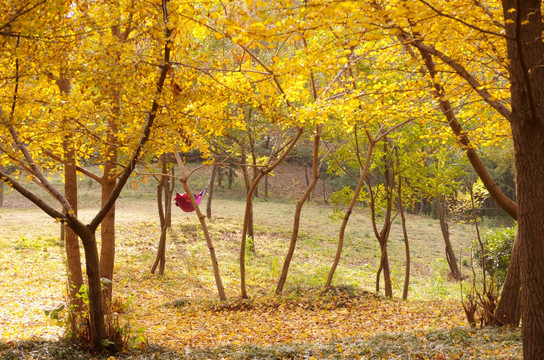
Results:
[1, 193]
[165, 216]
[298, 210]
[324, 190]
[450, 254]
[349, 210]
[107, 234]
[202, 219]
[266, 187]
[383, 238]
[404, 233]
[71, 240]
[383, 234]
[108, 182]
[249, 210]
[220, 176]
[407, 252]
[249, 207]
[307, 180]
[210, 193]
[231, 177]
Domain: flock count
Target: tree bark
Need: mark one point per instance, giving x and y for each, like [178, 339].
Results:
[249, 207]
[249, 210]
[404, 233]
[450, 254]
[107, 233]
[71, 240]
[1, 193]
[508, 309]
[525, 48]
[362, 176]
[202, 219]
[165, 215]
[96, 308]
[298, 210]
[383, 237]
[210, 193]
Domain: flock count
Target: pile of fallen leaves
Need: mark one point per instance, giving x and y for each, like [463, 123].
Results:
[310, 318]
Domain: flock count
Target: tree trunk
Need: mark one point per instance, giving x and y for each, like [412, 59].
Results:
[525, 49]
[383, 235]
[508, 309]
[450, 254]
[96, 309]
[202, 219]
[107, 235]
[71, 240]
[220, 177]
[362, 176]
[231, 177]
[404, 233]
[249, 209]
[1, 193]
[529, 145]
[266, 187]
[165, 216]
[324, 190]
[210, 193]
[298, 210]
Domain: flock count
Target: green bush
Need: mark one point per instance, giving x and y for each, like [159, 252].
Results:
[497, 244]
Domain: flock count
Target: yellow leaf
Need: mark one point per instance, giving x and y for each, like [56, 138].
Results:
[218, 35]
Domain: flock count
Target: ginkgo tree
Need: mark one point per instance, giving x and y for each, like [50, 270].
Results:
[30, 95]
[493, 49]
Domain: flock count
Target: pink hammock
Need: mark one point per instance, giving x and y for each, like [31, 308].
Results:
[183, 202]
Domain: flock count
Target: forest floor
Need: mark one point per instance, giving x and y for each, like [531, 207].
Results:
[178, 316]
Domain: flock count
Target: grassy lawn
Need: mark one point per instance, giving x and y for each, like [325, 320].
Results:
[180, 312]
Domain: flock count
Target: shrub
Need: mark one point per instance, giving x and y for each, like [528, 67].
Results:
[497, 246]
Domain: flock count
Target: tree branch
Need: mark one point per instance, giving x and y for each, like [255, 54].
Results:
[14, 184]
[461, 71]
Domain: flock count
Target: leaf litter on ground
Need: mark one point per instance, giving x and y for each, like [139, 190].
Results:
[184, 320]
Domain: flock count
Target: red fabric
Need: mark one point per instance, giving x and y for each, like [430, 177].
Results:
[183, 202]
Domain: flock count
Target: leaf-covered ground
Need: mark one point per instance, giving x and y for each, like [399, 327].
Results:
[183, 319]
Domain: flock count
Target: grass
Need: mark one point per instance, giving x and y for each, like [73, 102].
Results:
[180, 310]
